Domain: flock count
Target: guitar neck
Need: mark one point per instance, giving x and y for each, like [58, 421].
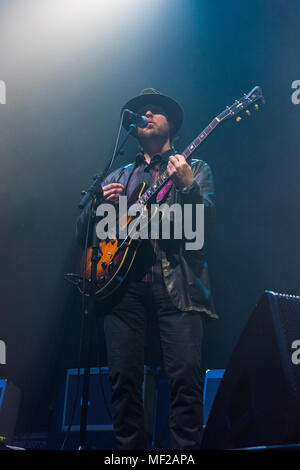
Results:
[200, 138]
[231, 111]
[164, 178]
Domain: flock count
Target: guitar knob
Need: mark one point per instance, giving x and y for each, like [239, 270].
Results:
[248, 112]
[103, 264]
[238, 119]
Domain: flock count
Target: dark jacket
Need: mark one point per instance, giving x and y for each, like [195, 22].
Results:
[184, 271]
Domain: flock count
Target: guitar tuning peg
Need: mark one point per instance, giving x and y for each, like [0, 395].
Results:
[256, 106]
[248, 112]
[238, 119]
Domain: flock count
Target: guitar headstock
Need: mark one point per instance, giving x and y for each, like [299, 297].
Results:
[250, 99]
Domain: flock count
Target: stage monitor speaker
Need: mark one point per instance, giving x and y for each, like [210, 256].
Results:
[258, 400]
[10, 397]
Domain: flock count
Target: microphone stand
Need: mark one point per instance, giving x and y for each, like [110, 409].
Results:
[94, 193]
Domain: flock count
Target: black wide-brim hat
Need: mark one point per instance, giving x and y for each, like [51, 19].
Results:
[150, 96]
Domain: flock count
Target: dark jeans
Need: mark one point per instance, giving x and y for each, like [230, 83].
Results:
[180, 337]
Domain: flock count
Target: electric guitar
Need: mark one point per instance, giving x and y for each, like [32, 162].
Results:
[116, 255]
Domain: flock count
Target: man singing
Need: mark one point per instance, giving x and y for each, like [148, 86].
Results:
[168, 284]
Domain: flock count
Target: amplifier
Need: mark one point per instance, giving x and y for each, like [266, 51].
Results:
[98, 418]
[155, 397]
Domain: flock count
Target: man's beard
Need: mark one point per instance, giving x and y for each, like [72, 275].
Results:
[156, 134]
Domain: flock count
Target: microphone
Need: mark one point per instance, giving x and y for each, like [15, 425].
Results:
[135, 118]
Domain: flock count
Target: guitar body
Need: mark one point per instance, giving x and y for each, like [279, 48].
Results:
[116, 257]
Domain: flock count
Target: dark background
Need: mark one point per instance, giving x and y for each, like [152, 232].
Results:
[69, 66]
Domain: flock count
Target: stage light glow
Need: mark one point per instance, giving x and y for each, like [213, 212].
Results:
[44, 34]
